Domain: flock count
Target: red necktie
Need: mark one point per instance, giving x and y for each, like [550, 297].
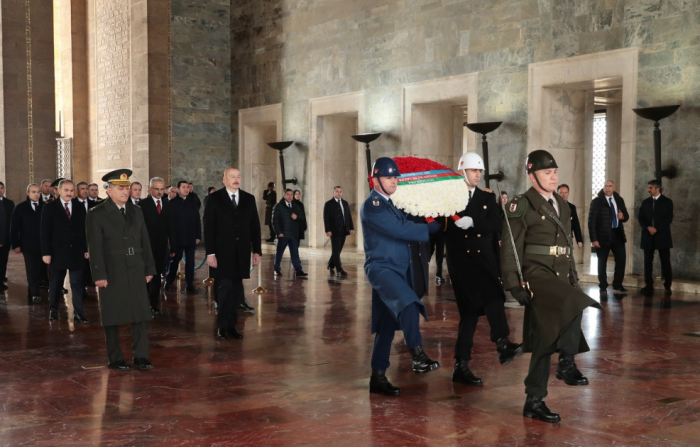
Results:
[67, 210]
[158, 206]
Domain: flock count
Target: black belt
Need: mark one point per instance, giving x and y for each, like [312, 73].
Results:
[128, 252]
[546, 250]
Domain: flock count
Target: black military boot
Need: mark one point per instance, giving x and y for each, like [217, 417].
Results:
[569, 373]
[536, 409]
[421, 361]
[378, 383]
[462, 374]
[507, 351]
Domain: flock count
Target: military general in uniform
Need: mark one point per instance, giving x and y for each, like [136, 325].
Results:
[387, 241]
[122, 264]
[545, 282]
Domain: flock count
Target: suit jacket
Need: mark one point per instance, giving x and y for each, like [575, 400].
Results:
[334, 220]
[575, 224]
[282, 220]
[660, 216]
[161, 229]
[62, 238]
[26, 226]
[600, 221]
[120, 252]
[232, 233]
[187, 223]
[77, 202]
[8, 207]
[471, 258]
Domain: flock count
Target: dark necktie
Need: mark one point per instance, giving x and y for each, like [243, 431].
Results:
[612, 213]
[470, 195]
[67, 210]
[158, 206]
[233, 200]
[34, 205]
[123, 210]
[653, 205]
[391, 201]
[289, 205]
[551, 202]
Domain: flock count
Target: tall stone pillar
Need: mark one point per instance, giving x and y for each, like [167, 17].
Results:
[27, 104]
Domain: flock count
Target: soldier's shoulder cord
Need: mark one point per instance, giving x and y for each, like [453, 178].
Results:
[374, 203]
[517, 207]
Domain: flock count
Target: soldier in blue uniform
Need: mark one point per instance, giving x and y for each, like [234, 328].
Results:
[388, 266]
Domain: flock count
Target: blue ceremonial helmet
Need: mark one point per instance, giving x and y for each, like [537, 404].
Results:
[385, 167]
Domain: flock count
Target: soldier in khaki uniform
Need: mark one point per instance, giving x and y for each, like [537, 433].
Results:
[122, 264]
[540, 221]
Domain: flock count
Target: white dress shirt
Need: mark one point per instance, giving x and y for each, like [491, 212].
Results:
[341, 207]
[607, 200]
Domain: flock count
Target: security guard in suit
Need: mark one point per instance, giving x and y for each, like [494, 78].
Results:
[476, 281]
[547, 282]
[388, 266]
[122, 264]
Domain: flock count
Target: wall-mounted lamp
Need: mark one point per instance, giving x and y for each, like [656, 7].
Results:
[367, 138]
[483, 129]
[281, 146]
[656, 114]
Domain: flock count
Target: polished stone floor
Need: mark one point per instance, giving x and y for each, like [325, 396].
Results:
[300, 375]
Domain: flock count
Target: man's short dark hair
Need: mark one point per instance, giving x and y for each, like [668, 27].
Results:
[506, 192]
[337, 187]
[563, 185]
[190, 183]
[655, 183]
[3, 185]
[92, 184]
[285, 191]
[136, 183]
[181, 182]
[80, 184]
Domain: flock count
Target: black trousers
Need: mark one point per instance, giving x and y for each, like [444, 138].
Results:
[617, 246]
[337, 243]
[4, 256]
[139, 346]
[468, 318]
[33, 265]
[541, 361]
[437, 246]
[409, 321]
[87, 274]
[189, 264]
[77, 287]
[665, 258]
[230, 296]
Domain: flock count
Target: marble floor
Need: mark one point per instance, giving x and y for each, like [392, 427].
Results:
[300, 375]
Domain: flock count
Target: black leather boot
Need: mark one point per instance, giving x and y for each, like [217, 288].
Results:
[421, 362]
[569, 373]
[536, 409]
[378, 383]
[507, 351]
[462, 374]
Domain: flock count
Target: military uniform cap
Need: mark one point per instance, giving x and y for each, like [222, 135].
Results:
[119, 177]
[56, 182]
[539, 160]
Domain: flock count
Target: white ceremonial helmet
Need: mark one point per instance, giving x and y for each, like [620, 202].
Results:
[470, 160]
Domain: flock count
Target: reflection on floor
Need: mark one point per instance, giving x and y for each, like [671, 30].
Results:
[300, 375]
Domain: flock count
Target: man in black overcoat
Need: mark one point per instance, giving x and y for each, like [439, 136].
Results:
[563, 191]
[26, 239]
[188, 227]
[64, 247]
[8, 206]
[655, 218]
[471, 262]
[270, 198]
[231, 232]
[337, 222]
[607, 232]
[160, 223]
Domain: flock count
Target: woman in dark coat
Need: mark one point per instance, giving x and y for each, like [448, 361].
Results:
[297, 201]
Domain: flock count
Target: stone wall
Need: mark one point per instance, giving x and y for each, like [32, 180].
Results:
[291, 51]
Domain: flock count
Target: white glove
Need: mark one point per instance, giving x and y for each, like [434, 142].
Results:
[465, 222]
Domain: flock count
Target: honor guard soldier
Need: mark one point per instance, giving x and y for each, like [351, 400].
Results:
[387, 238]
[539, 271]
[471, 261]
[122, 264]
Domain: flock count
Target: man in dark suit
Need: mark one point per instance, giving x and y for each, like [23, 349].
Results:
[605, 227]
[8, 206]
[93, 194]
[160, 223]
[655, 217]
[136, 189]
[563, 191]
[25, 228]
[46, 190]
[64, 247]
[471, 262]
[82, 199]
[231, 232]
[286, 218]
[337, 221]
[188, 228]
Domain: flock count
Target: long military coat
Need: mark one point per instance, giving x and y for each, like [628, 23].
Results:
[557, 299]
[471, 259]
[388, 263]
[111, 242]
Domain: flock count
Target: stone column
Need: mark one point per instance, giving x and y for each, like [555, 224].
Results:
[27, 106]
